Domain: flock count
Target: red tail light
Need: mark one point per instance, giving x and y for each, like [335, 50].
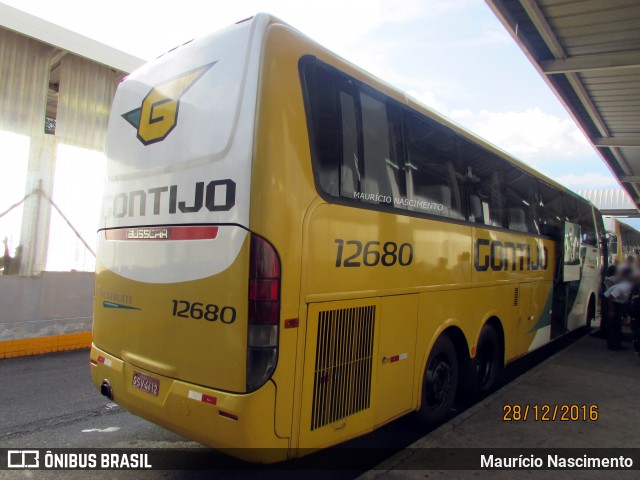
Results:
[264, 283]
[264, 312]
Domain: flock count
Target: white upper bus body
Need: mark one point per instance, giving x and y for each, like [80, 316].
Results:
[194, 169]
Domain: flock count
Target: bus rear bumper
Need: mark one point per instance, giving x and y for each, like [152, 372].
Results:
[241, 425]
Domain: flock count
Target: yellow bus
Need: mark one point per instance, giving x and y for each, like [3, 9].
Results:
[293, 253]
[624, 240]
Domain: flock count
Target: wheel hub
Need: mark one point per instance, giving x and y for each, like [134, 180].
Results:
[439, 382]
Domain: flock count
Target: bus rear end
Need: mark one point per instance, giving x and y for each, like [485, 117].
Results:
[186, 305]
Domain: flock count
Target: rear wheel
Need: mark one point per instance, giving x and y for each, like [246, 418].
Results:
[487, 365]
[440, 382]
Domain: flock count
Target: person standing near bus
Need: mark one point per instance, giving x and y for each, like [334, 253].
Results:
[627, 263]
[618, 295]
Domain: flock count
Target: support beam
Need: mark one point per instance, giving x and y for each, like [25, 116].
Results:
[548, 35]
[617, 141]
[630, 178]
[583, 63]
[543, 27]
[621, 213]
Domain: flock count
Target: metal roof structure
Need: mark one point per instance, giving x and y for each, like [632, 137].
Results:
[588, 52]
[612, 201]
[34, 27]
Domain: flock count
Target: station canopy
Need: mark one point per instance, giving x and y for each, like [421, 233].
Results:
[612, 201]
[588, 52]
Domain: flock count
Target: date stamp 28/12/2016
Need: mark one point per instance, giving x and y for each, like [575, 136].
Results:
[550, 413]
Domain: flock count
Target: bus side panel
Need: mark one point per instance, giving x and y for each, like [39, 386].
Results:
[397, 358]
[466, 309]
[281, 190]
[340, 371]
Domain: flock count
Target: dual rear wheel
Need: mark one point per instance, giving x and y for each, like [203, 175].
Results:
[442, 374]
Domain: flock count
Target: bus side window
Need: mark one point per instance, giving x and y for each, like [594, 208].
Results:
[349, 170]
[325, 133]
[522, 201]
[486, 184]
[497, 199]
[375, 140]
[554, 210]
[435, 185]
[476, 213]
[587, 224]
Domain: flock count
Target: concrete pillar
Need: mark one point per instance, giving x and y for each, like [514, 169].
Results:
[37, 210]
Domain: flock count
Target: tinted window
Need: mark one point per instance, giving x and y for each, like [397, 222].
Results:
[356, 137]
[349, 171]
[487, 202]
[586, 222]
[373, 151]
[435, 180]
[326, 135]
[378, 179]
[523, 207]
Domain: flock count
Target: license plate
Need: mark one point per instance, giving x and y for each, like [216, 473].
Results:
[146, 383]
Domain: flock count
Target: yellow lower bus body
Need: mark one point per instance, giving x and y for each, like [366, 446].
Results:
[246, 431]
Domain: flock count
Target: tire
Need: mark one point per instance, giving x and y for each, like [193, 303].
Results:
[440, 383]
[487, 365]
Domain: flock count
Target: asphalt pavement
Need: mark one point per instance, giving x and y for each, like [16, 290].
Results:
[48, 401]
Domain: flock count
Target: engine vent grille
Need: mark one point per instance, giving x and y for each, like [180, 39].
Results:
[516, 294]
[344, 356]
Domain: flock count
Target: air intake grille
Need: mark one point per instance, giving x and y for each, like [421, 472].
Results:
[516, 294]
[342, 377]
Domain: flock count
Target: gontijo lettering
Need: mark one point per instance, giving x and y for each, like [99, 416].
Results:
[217, 196]
[497, 256]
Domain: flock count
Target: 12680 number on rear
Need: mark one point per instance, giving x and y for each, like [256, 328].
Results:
[209, 312]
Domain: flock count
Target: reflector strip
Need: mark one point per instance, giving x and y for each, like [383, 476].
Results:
[202, 397]
[228, 415]
[106, 361]
[396, 358]
[291, 323]
[163, 233]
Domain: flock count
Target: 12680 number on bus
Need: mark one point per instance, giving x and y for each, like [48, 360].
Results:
[352, 253]
[200, 311]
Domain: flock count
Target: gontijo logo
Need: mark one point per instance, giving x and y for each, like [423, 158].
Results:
[158, 114]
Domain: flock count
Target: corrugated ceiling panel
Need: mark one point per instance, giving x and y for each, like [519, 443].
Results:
[86, 93]
[595, 26]
[24, 70]
[609, 199]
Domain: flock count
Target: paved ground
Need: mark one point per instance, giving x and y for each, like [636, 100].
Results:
[48, 401]
[583, 373]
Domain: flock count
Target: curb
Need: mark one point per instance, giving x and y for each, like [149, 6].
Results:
[21, 347]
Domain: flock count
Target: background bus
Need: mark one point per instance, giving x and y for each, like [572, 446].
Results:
[294, 253]
[624, 240]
